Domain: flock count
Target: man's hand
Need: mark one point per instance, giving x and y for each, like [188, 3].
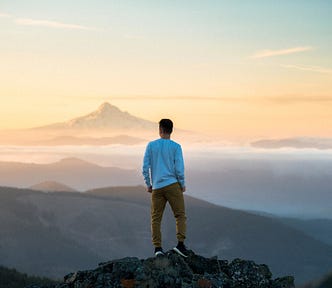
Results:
[149, 189]
[183, 189]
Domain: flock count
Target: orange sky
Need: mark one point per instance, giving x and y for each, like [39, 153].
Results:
[231, 69]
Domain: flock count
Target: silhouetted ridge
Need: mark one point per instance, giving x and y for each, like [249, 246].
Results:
[175, 271]
[74, 161]
[52, 186]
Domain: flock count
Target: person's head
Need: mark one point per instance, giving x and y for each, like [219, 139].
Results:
[165, 126]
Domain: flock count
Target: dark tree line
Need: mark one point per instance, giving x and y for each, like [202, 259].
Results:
[11, 278]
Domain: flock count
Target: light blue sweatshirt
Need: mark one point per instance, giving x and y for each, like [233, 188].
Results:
[163, 164]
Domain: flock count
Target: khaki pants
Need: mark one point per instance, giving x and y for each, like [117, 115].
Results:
[174, 195]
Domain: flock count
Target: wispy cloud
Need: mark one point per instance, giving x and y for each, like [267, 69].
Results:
[316, 69]
[272, 53]
[5, 15]
[44, 23]
[51, 24]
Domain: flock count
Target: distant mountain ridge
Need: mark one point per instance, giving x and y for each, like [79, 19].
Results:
[76, 173]
[52, 186]
[53, 234]
[108, 125]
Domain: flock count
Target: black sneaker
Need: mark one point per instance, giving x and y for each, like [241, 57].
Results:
[181, 250]
[158, 251]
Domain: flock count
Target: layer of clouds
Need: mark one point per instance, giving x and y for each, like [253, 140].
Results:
[5, 15]
[287, 51]
[287, 181]
[45, 23]
[316, 69]
[51, 24]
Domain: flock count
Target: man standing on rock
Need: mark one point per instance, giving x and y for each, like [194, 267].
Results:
[163, 171]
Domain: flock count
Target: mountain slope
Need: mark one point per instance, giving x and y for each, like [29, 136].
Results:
[78, 174]
[52, 186]
[105, 126]
[320, 229]
[106, 116]
[233, 233]
[42, 230]
[324, 282]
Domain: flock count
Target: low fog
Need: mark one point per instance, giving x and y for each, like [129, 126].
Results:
[285, 182]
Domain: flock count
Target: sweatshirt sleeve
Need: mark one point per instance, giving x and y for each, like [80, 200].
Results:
[179, 166]
[147, 167]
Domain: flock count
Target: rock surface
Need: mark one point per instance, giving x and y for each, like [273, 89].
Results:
[174, 271]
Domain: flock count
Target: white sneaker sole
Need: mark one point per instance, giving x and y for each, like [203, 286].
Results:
[159, 253]
[179, 252]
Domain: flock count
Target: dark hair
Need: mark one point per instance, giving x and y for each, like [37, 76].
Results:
[166, 125]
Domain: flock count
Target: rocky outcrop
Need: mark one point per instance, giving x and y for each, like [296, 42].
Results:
[174, 271]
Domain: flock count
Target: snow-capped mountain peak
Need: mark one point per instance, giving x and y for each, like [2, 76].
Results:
[107, 108]
[108, 116]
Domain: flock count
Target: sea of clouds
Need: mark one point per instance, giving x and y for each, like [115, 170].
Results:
[285, 182]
